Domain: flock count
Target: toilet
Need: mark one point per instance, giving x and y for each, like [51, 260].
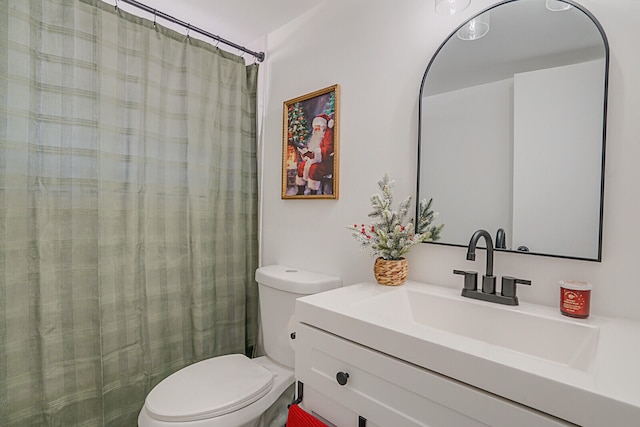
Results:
[233, 390]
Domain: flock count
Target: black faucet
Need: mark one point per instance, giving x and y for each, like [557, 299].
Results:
[488, 279]
[501, 239]
[488, 292]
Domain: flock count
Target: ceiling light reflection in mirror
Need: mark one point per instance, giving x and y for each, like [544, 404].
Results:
[451, 7]
[557, 5]
[476, 28]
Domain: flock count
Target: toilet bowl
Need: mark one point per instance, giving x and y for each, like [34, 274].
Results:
[216, 392]
[233, 390]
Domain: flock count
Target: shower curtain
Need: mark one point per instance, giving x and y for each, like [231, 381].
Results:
[128, 210]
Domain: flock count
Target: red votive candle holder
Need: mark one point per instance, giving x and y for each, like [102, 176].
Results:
[575, 298]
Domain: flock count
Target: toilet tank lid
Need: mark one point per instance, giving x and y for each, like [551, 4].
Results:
[296, 281]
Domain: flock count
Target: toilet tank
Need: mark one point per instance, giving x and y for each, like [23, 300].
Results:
[279, 287]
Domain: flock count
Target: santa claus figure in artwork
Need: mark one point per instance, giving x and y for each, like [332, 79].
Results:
[318, 156]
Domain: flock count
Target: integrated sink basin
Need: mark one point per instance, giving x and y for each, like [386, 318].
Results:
[531, 331]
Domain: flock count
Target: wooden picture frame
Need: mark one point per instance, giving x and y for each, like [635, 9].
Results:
[310, 156]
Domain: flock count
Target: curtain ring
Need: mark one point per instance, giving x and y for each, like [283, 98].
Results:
[217, 43]
[155, 14]
[188, 29]
[116, 6]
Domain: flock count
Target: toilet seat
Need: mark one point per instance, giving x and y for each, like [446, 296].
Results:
[209, 389]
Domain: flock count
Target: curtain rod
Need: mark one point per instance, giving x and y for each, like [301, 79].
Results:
[258, 55]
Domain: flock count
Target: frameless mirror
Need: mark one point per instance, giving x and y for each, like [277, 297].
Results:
[512, 130]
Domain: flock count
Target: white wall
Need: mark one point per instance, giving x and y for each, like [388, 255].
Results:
[377, 52]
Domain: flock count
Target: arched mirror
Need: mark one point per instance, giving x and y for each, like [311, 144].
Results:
[512, 129]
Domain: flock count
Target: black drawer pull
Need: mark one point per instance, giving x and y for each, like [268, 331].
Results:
[342, 378]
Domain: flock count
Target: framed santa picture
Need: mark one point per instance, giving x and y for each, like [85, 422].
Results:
[310, 145]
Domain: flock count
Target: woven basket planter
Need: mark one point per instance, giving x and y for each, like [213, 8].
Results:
[390, 272]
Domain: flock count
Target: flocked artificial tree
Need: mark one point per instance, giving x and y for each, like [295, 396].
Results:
[387, 236]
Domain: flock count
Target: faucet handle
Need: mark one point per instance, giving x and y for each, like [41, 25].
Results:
[470, 279]
[509, 286]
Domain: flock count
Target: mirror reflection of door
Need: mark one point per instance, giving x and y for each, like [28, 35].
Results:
[512, 131]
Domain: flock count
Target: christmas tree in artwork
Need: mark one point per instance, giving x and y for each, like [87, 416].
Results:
[298, 131]
[330, 107]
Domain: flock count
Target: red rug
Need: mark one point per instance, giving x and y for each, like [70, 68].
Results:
[299, 418]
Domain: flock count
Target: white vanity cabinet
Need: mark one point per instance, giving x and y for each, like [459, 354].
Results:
[388, 392]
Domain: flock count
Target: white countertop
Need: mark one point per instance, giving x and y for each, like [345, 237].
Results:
[607, 393]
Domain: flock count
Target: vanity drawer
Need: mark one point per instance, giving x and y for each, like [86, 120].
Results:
[391, 393]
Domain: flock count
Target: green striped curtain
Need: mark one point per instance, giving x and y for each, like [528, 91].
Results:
[128, 210]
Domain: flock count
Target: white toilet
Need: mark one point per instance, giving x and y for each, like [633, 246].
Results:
[233, 390]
